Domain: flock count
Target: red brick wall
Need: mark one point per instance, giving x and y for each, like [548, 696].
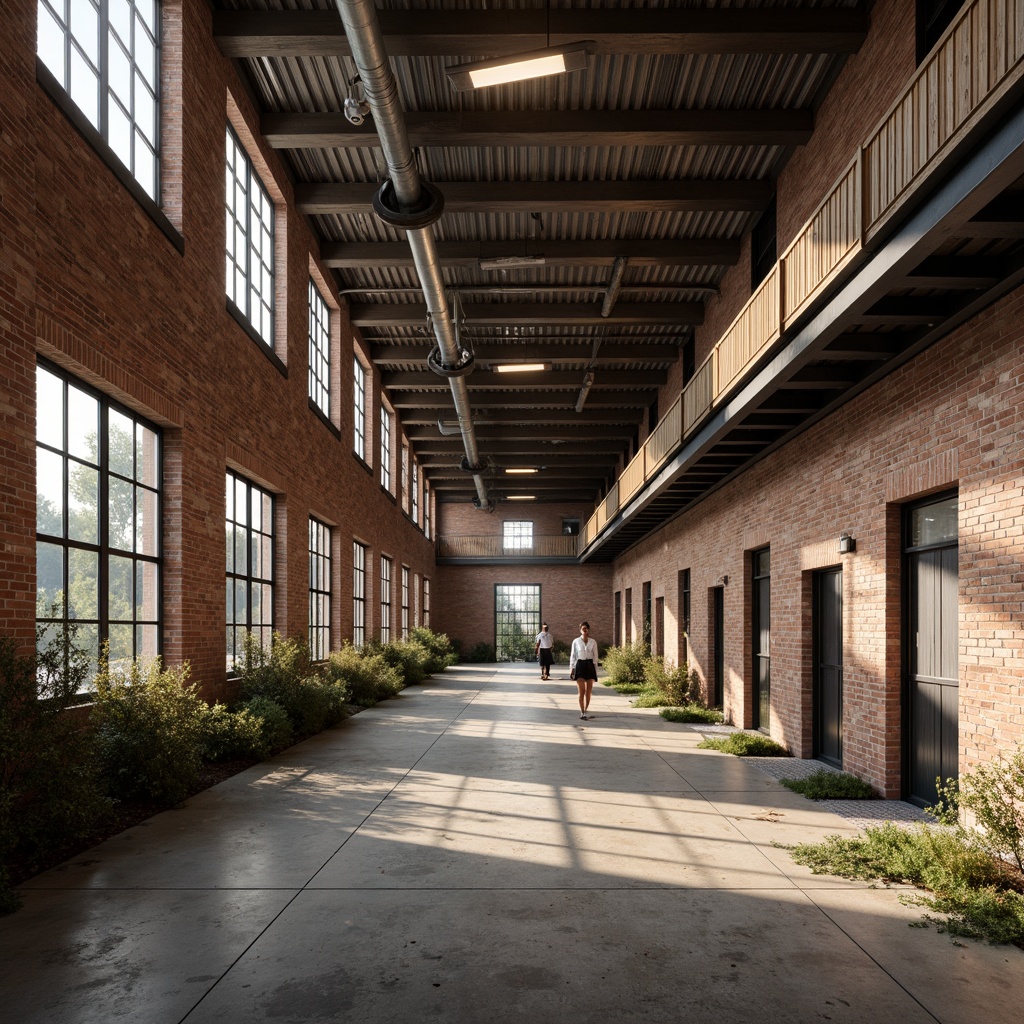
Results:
[952, 417]
[93, 283]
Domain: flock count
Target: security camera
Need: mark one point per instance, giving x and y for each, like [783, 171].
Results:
[356, 110]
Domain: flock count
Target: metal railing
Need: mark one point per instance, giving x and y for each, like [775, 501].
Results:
[979, 59]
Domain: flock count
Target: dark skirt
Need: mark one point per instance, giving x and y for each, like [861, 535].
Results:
[545, 657]
[585, 669]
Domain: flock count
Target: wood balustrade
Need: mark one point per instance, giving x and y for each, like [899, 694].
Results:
[971, 71]
[493, 546]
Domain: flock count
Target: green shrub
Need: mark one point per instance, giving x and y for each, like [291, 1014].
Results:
[439, 648]
[51, 793]
[627, 667]
[276, 731]
[971, 888]
[408, 657]
[649, 697]
[745, 744]
[993, 794]
[367, 679]
[560, 652]
[229, 735]
[672, 683]
[149, 726]
[481, 652]
[692, 713]
[826, 785]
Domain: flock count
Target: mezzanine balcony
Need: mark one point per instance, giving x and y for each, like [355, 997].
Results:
[553, 549]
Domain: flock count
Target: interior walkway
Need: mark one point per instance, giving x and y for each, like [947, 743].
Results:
[473, 852]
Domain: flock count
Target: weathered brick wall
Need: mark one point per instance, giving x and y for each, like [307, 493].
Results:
[90, 281]
[952, 417]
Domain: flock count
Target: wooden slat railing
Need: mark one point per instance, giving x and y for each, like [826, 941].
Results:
[970, 69]
[664, 438]
[979, 59]
[493, 546]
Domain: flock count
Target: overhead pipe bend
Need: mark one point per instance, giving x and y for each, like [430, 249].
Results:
[406, 191]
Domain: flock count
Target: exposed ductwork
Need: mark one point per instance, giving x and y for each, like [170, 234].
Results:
[407, 202]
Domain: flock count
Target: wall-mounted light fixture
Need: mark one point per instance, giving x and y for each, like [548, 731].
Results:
[518, 67]
[723, 581]
[847, 544]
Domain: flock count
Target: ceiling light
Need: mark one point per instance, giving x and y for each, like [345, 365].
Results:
[520, 471]
[522, 497]
[518, 67]
[521, 367]
[510, 262]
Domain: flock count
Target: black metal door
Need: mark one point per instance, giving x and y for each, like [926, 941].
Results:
[828, 666]
[761, 639]
[932, 649]
[718, 628]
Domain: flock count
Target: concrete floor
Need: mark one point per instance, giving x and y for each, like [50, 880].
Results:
[473, 852]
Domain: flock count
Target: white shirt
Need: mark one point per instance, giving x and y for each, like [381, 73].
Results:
[545, 639]
[582, 650]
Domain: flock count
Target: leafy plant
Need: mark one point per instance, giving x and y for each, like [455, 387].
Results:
[627, 667]
[692, 713]
[368, 679]
[672, 683]
[439, 647]
[560, 652]
[993, 794]
[826, 785]
[229, 734]
[481, 652]
[276, 732]
[966, 884]
[150, 730]
[409, 657]
[51, 793]
[745, 744]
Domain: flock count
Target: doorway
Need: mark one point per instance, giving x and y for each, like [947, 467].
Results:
[931, 684]
[828, 666]
[718, 633]
[761, 639]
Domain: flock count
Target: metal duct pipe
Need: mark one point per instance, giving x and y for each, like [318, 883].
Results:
[363, 31]
[618, 269]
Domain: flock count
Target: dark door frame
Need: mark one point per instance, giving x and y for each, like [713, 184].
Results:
[817, 578]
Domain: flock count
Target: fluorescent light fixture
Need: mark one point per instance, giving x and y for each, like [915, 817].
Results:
[510, 262]
[520, 367]
[518, 67]
[520, 471]
[522, 497]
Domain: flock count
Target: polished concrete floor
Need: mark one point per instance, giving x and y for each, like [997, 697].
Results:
[474, 852]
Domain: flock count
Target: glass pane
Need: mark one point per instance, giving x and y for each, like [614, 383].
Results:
[50, 45]
[145, 166]
[119, 13]
[83, 502]
[241, 562]
[83, 425]
[147, 522]
[119, 590]
[256, 606]
[49, 580]
[120, 438]
[85, 88]
[147, 643]
[83, 584]
[119, 74]
[85, 27]
[121, 510]
[241, 502]
[934, 524]
[122, 636]
[147, 591]
[49, 409]
[89, 641]
[256, 552]
[146, 10]
[267, 563]
[49, 493]
[145, 60]
[229, 545]
[145, 109]
[119, 133]
[147, 452]
[229, 601]
[241, 604]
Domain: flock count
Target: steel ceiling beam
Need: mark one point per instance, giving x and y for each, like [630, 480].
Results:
[571, 350]
[544, 380]
[499, 314]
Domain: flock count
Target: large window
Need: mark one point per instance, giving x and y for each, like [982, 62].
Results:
[426, 602]
[319, 589]
[105, 54]
[426, 509]
[319, 350]
[98, 509]
[628, 621]
[385, 448]
[516, 620]
[405, 602]
[683, 581]
[405, 476]
[249, 528]
[517, 535]
[358, 594]
[414, 491]
[249, 278]
[359, 408]
[385, 599]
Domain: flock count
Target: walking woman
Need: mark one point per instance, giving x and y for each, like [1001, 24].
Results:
[583, 666]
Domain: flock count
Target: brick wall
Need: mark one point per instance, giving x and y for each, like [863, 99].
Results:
[952, 417]
[92, 282]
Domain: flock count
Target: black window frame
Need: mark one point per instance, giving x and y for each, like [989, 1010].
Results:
[386, 577]
[359, 553]
[319, 351]
[320, 580]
